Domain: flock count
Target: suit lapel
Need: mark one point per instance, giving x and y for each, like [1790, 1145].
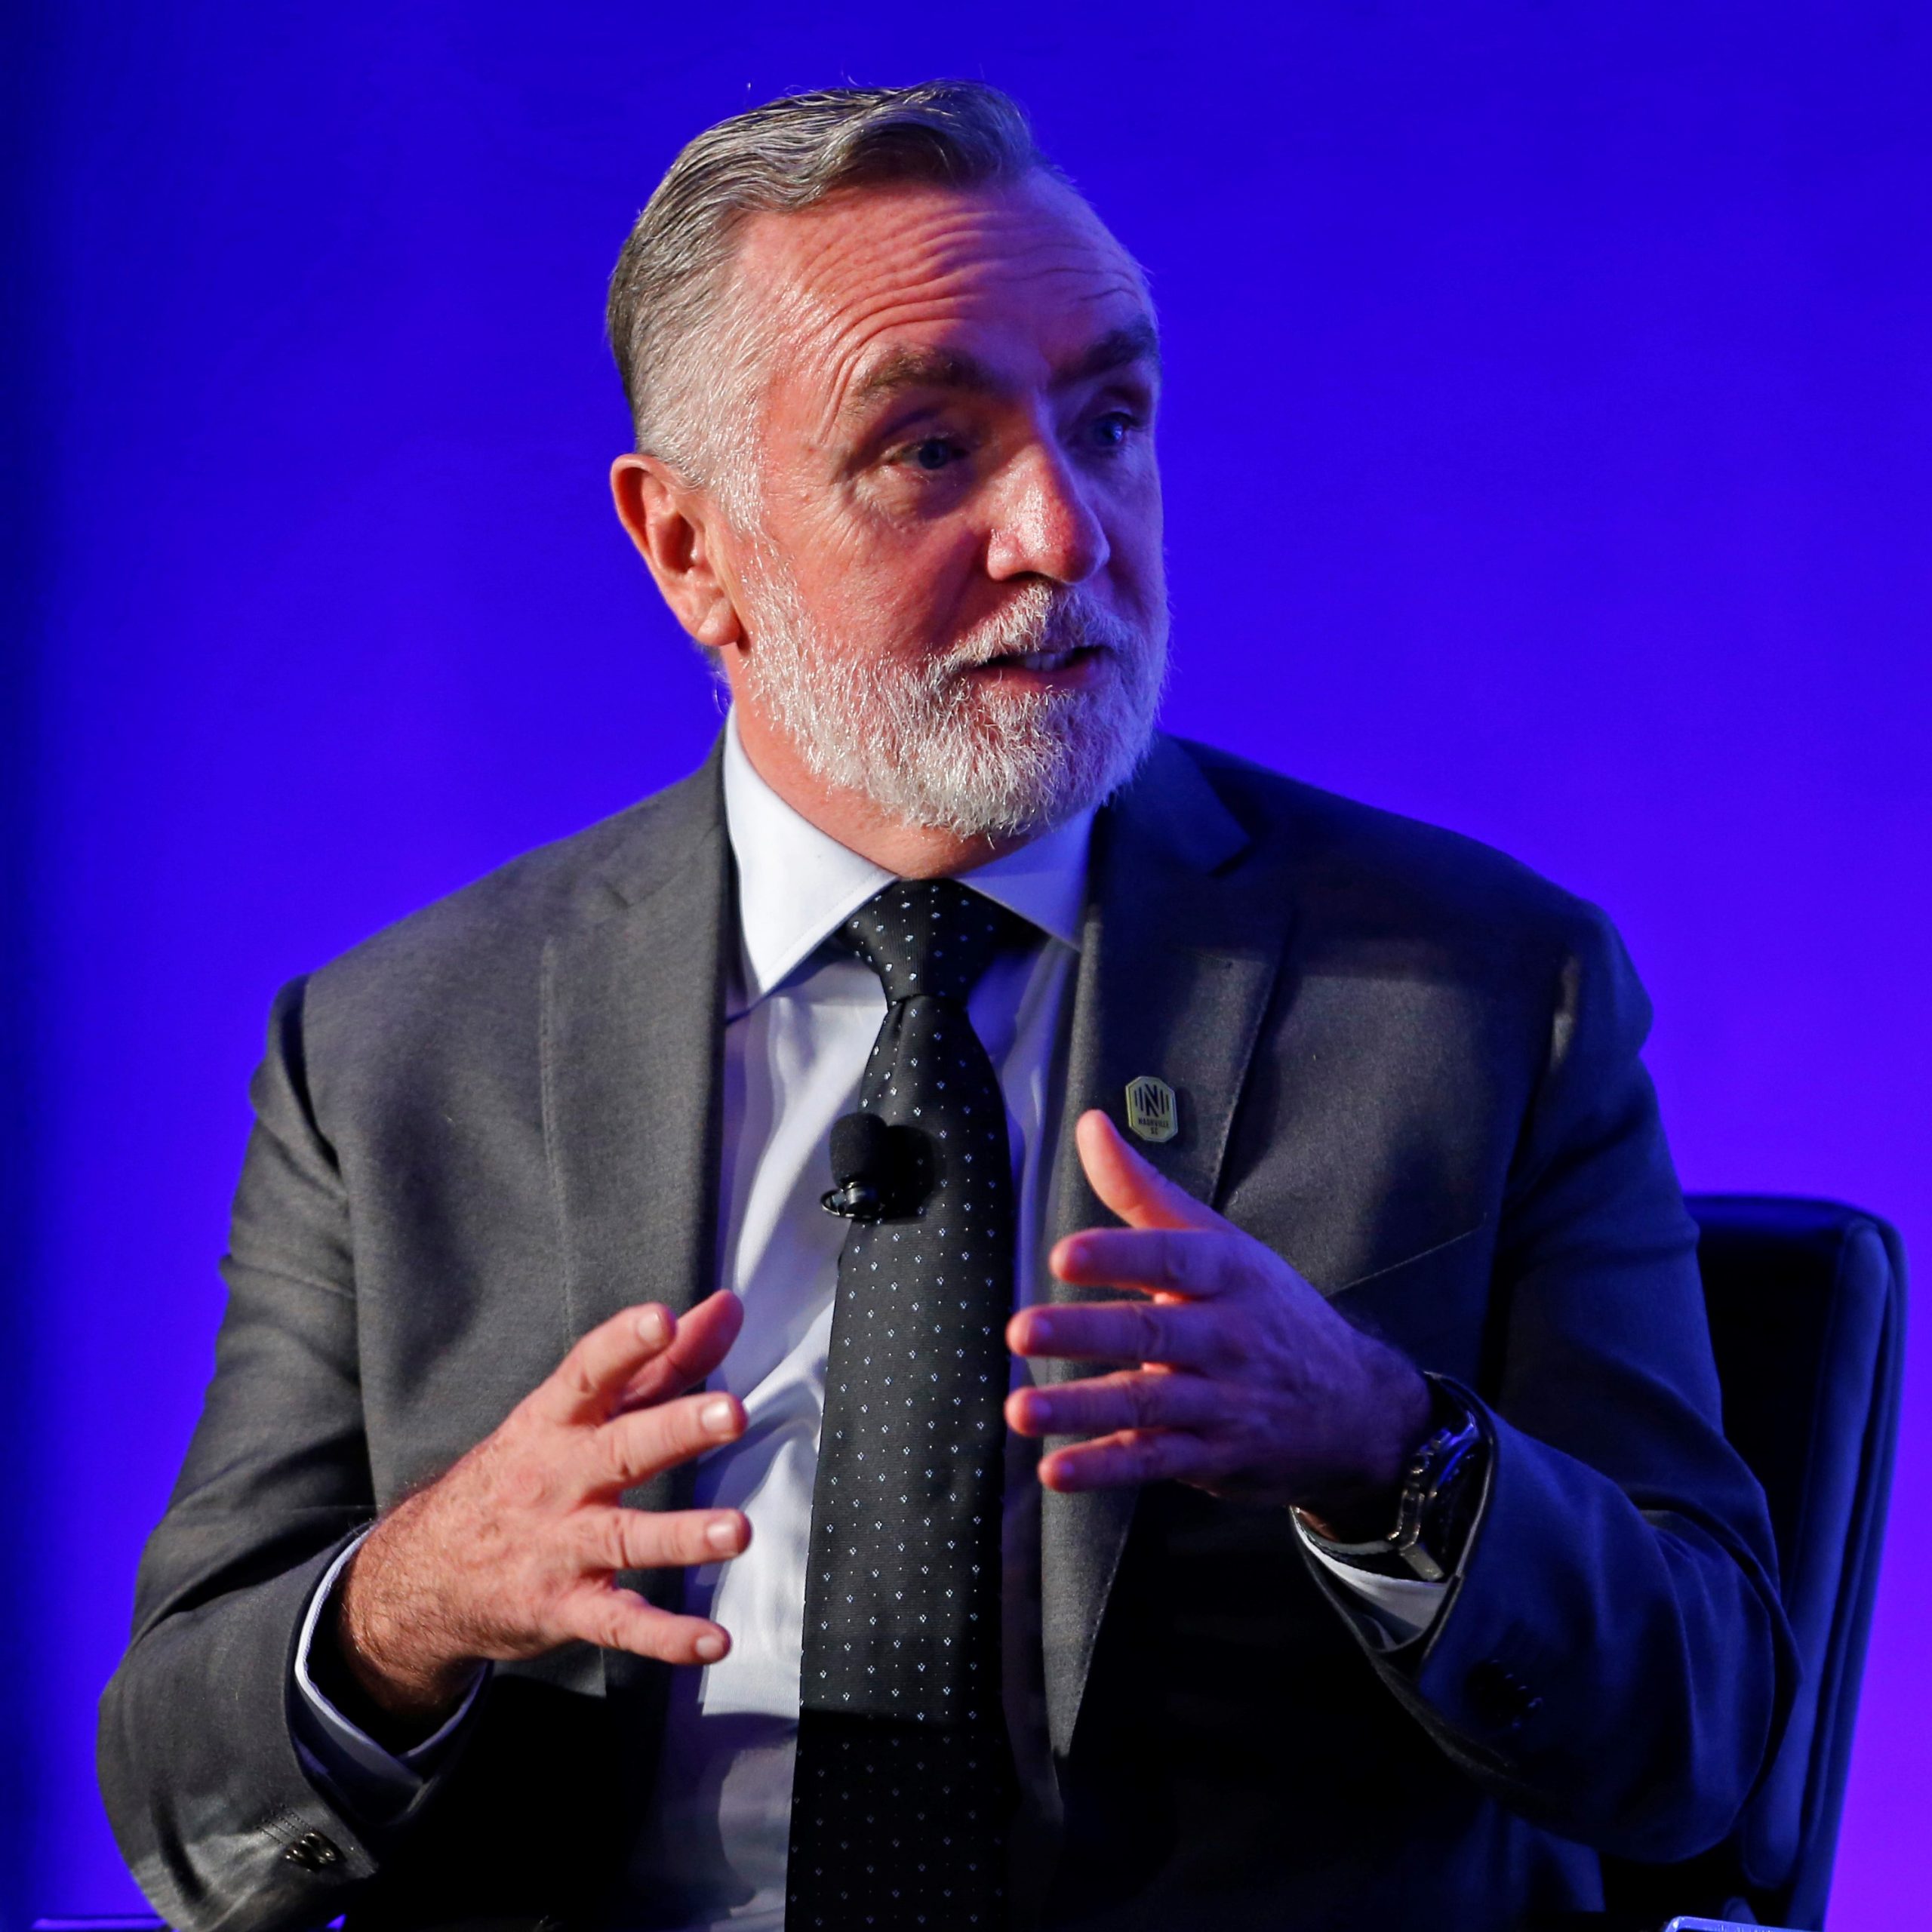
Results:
[633, 1032]
[633, 1026]
[1178, 955]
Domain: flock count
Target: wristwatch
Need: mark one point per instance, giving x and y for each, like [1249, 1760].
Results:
[1442, 1490]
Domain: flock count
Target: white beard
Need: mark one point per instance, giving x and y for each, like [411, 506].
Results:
[932, 746]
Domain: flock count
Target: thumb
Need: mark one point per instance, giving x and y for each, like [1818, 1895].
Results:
[1129, 1185]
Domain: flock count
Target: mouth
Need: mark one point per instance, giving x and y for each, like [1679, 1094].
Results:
[1060, 668]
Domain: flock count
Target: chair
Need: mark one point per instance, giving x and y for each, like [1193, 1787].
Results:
[1807, 1307]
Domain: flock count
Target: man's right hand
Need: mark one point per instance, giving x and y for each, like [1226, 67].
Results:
[515, 1551]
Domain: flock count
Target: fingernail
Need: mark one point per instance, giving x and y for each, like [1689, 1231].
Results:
[718, 1416]
[710, 1647]
[1039, 1332]
[653, 1327]
[722, 1532]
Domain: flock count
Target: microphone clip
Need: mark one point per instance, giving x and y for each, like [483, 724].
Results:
[854, 1201]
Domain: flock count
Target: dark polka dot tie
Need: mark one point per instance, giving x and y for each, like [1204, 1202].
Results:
[904, 1786]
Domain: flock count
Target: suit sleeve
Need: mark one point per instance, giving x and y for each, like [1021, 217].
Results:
[1613, 1662]
[201, 1771]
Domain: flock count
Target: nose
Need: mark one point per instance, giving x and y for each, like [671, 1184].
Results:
[1043, 525]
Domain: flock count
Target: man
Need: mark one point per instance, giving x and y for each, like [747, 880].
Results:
[1026, 1539]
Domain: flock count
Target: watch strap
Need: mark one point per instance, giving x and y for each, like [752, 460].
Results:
[1441, 1492]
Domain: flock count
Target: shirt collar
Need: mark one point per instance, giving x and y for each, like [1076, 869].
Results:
[796, 883]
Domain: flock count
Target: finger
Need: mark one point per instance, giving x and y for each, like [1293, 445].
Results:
[1125, 1183]
[653, 1539]
[641, 1443]
[703, 1338]
[1203, 1264]
[585, 1384]
[619, 1620]
[1177, 1334]
[1132, 1456]
[1132, 1399]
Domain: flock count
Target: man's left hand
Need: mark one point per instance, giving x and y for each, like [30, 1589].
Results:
[1250, 1383]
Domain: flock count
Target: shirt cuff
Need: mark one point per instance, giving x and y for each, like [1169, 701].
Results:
[378, 1784]
[1395, 1611]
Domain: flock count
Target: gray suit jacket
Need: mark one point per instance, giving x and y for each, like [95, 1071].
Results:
[1405, 1062]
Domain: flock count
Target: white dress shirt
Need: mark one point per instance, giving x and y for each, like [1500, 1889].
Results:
[801, 1017]
[799, 1022]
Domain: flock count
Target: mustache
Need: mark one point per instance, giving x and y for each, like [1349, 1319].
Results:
[1041, 618]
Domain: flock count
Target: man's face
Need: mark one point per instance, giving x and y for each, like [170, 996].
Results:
[951, 590]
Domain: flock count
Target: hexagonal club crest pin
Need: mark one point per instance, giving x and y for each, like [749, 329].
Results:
[1152, 1110]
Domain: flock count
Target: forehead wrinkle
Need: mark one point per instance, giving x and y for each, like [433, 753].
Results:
[921, 365]
[923, 260]
[940, 231]
[935, 222]
[890, 311]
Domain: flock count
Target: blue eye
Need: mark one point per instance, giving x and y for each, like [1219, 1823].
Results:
[935, 453]
[1112, 429]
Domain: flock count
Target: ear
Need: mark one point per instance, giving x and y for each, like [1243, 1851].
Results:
[677, 528]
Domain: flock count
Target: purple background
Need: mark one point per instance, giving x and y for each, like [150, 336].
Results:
[1547, 446]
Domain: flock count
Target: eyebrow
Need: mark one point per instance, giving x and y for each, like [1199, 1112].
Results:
[900, 369]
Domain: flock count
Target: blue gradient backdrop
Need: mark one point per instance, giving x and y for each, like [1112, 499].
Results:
[1548, 451]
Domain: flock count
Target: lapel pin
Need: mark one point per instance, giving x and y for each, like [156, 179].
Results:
[1152, 1110]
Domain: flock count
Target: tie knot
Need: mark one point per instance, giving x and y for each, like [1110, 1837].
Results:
[928, 936]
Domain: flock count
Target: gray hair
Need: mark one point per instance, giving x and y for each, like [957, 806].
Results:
[682, 361]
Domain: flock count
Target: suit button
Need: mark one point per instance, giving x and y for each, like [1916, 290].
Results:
[1499, 1697]
[314, 1853]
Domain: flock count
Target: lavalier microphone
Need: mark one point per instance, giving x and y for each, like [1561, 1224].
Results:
[865, 1168]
